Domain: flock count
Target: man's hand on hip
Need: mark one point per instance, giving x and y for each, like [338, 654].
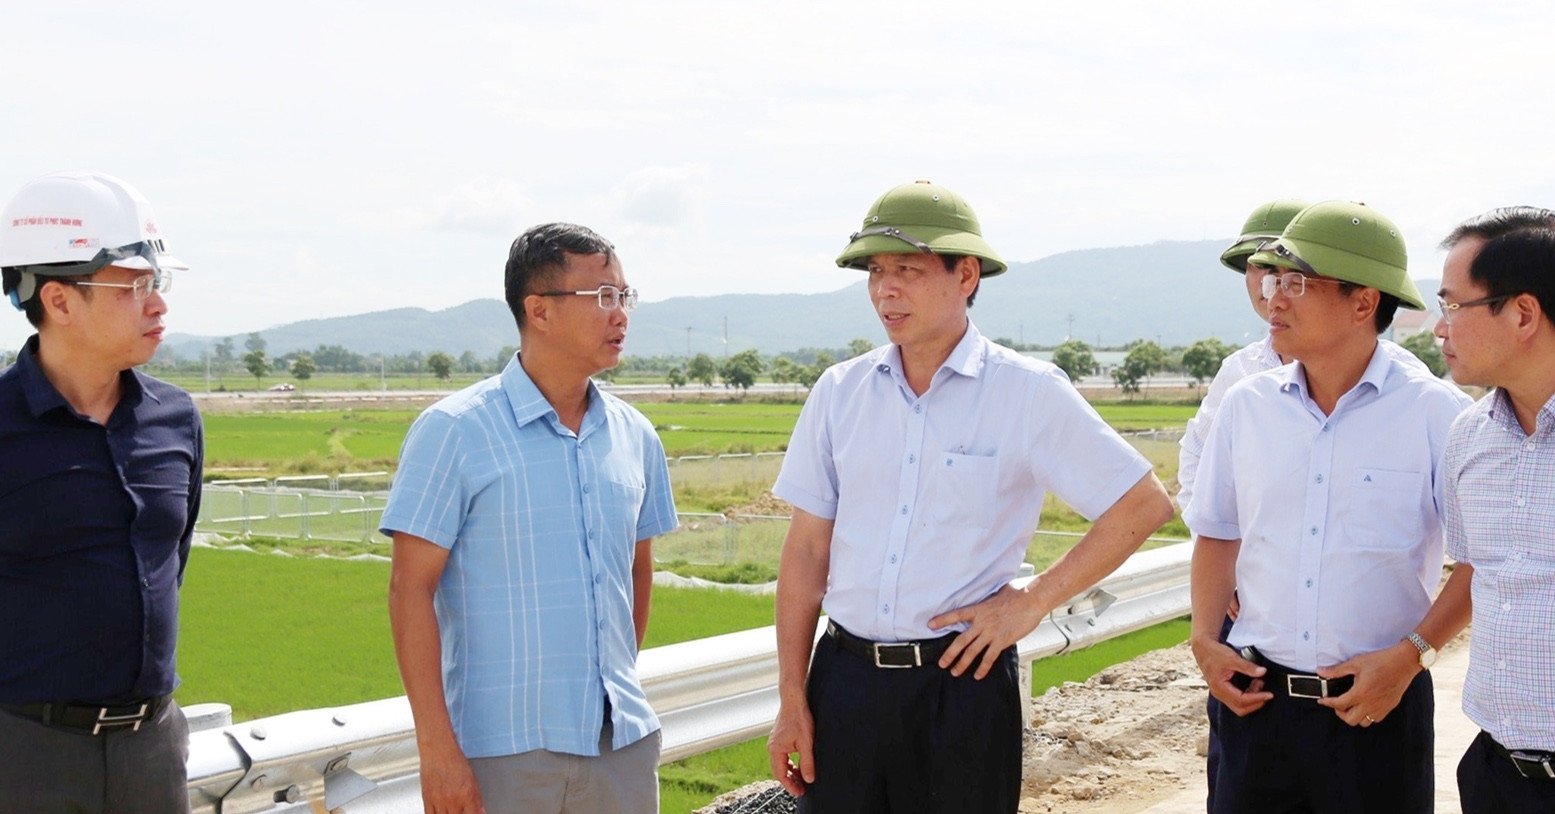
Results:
[793, 733]
[1220, 664]
[993, 625]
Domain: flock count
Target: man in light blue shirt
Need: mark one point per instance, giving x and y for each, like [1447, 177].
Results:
[917, 473]
[522, 515]
[1318, 499]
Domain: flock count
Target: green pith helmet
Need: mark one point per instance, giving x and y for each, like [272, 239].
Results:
[1266, 223]
[1345, 241]
[920, 216]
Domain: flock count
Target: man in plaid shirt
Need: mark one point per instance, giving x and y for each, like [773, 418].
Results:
[1497, 297]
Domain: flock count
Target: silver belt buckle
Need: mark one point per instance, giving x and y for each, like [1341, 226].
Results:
[917, 656]
[1533, 767]
[133, 721]
[1291, 682]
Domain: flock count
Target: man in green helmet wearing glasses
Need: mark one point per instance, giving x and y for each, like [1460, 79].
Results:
[1319, 500]
[917, 473]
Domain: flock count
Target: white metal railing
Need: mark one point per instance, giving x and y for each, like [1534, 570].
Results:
[708, 693]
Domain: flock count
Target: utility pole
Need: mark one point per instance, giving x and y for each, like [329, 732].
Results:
[726, 337]
[688, 341]
[1069, 333]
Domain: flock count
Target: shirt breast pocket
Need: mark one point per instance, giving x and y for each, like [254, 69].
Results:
[965, 491]
[1387, 508]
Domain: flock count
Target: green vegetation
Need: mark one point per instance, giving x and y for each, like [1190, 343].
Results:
[270, 634]
[287, 443]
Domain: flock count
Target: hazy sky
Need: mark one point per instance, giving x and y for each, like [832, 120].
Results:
[316, 159]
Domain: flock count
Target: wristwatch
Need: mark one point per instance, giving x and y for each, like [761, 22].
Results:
[1427, 652]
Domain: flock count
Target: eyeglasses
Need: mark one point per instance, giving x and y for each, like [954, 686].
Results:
[610, 298]
[1448, 308]
[160, 282]
[1291, 283]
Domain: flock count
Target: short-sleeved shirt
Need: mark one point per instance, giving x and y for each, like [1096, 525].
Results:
[935, 498]
[95, 526]
[1501, 520]
[1339, 516]
[1254, 358]
[535, 602]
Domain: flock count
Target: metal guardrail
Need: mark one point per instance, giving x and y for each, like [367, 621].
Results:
[709, 693]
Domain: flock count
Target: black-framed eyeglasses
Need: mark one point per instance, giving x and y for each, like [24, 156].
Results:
[1448, 308]
[159, 281]
[1291, 283]
[608, 296]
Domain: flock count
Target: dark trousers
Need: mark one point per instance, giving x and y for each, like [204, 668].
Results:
[49, 770]
[912, 740]
[1212, 711]
[1294, 755]
[1488, 783]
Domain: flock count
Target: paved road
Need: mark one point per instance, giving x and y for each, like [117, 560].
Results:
[1454, 731]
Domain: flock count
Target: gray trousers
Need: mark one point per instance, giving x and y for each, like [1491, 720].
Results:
[619, 781]
[51, 770]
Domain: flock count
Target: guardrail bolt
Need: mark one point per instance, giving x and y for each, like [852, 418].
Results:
[337, 764]
[257, 733]
[340, 720]
[259, 782]
[290, 794]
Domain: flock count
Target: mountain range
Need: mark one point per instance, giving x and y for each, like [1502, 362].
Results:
[1174, 292]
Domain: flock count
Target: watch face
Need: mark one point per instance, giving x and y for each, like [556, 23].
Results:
[1428, 658]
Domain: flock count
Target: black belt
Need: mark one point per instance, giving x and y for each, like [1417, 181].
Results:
[891, 655]
[1530, 763]
[95, 719]
[1282, 680]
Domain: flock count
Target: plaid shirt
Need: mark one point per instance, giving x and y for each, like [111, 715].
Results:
[1500, 519]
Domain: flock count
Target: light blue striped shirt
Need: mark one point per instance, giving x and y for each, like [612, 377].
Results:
[1501, 520]
[535, 604]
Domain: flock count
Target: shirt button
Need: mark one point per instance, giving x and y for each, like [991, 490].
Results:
[1506, 606]
[1306, 635]
[1309, 583]
[1325, 428]
[912, 459]
[893, 559]
[1314, 529]
[1522, 501]
[904, 510]
[1319, 478]
[585, 488]
[917, 408]
[1501, 665]
[146, 582]
[949, 462]
[885, 609]
[598, 579]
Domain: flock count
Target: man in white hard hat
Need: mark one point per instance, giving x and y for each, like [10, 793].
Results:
[100, 471]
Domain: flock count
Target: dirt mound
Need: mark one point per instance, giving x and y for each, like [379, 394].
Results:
[765, 506]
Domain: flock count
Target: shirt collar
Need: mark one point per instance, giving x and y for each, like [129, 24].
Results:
[41, 394]
[1501, 412]
[1265, 352]
[529, 403]
[966, 358]
[1376, 373]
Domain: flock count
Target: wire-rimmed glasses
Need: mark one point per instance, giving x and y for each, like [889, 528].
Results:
[608, 296]
[160, 282]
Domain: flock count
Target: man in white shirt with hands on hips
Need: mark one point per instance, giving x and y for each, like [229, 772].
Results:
[917, 473]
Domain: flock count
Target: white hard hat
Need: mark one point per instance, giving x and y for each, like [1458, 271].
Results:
[77, 222]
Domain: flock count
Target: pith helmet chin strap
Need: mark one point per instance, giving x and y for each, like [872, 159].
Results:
[27, 286]
[892, 231]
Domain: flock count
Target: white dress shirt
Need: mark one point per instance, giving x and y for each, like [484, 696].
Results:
[1339, 516]
[1254, 358]
[934, 498]
[1501, 520]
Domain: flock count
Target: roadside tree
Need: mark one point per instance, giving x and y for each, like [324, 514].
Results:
[1202, 361]
[257, 362]
[303, 367]
[1423, 345]
[1075, 359]
[742, 369]
[675, 378]
[702, 369]
[441, 365]
[859, 347]
[1143, 359]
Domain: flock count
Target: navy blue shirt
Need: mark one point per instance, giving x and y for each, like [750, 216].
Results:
[95, 525]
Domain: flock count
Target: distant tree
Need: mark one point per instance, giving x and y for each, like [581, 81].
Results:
[1423, 345]
[254, 342]
[812, 373]
[859, 347]
[468, 363]
[441, 365]
[7, 358]
[784, 370]
[1202, 360]
[504, 355]
[702, 369]
[1143, 359]
[675, 378]
[741, 370]
[257, 362]
[339, 359]
[1075, 359]
[223, 357]
[303, 367]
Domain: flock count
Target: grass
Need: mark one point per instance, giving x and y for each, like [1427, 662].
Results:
[306, 442]
[270, 634]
